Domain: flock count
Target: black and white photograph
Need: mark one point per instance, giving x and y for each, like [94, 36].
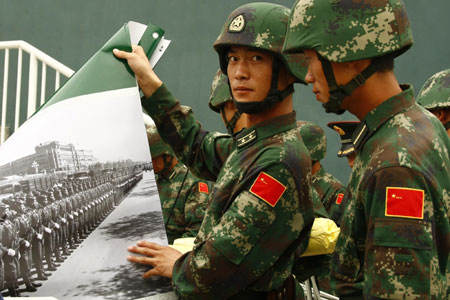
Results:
[77, 187]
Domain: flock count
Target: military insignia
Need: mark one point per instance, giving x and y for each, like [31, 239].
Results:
[237, 25]
[246, 139]
[404, 202]
[339, 130]
[203, 188]
[339, 198]
[267, 188]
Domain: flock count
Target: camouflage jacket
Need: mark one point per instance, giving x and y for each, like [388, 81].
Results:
[260, 208]
[331, 193]
[183, 200]
[395, 233]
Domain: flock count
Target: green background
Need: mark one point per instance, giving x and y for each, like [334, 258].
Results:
[72, 31]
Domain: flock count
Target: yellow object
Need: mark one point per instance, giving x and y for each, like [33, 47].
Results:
[324, 234]
[183, 244]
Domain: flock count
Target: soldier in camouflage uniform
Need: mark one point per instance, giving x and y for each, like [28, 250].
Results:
[183, 196]
[260, 210]
[435, 96]
[221, 102]
[10, 250]
[329, 189]
[395, 233]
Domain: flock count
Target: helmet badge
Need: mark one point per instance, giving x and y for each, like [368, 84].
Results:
[339, 130]
[237, 25]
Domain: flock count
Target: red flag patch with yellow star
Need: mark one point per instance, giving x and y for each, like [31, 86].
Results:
[267, 188]
[404, 202]
[339, 198]
[203, 188]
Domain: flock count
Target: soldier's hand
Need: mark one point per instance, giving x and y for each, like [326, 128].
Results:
[161, 258]
[138, 62]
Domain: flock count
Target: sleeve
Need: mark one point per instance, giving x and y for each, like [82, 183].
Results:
[395, 255]
[195, 206]
[203, 152]
[262, 227]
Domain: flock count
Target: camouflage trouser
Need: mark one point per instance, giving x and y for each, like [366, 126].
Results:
[25, 262]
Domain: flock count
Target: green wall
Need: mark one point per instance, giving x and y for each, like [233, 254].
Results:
[71, 31]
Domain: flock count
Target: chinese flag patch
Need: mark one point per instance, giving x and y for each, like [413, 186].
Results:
[203, 188]
[267, 188]
[404, 202]
[339, 198]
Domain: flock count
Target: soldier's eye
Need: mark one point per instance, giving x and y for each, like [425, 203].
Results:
[256, 58]
[232, 58]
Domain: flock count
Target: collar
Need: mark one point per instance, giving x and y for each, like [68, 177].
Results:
[177, 169]
[263, 130]
[382, 113]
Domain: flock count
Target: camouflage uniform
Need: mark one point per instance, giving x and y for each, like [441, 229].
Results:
[395, 232]
[260, 208]
[183, 196]
[435, 95]
[329, 189]
[219, 96]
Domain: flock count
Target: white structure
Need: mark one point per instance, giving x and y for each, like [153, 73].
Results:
[36, 57]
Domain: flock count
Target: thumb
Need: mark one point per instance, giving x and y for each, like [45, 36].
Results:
[121, 54]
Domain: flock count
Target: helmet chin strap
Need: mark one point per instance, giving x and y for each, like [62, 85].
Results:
[274, 96]
[339, 92]
[232, 122]
[447, 126]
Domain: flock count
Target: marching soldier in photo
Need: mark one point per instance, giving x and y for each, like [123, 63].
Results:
[183, 196]
[37, 236]
[395, 231]
[221, 101]
[329, 189]
[46, 218]
[260, 210]
[25, 235]
[55, 223]
[10, 250]
[435, 97]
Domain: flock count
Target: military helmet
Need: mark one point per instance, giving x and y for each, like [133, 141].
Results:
[220, 92]
[157, 145]
[314, 139]
[435, 93]
[261, 26]
[343, 31]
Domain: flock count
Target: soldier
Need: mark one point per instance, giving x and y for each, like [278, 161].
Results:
[46, 218]
[221, 102]
[37, 236]
[10, 250]
[260, 209]
[395, 234]
[329, 189]
[24, 239]
[435, 96]
[345, 129]
[183, 196]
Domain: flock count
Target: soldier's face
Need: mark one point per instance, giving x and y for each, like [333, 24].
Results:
[249, 73]
[343, 73]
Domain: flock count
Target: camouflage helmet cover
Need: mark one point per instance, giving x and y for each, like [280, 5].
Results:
[348, 30]
[314, 138]
[157, 145]
[220, 91]
[435, 93]
[262, 26]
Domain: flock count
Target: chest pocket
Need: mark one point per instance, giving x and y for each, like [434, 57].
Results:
[242, 227]
[402, 259]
